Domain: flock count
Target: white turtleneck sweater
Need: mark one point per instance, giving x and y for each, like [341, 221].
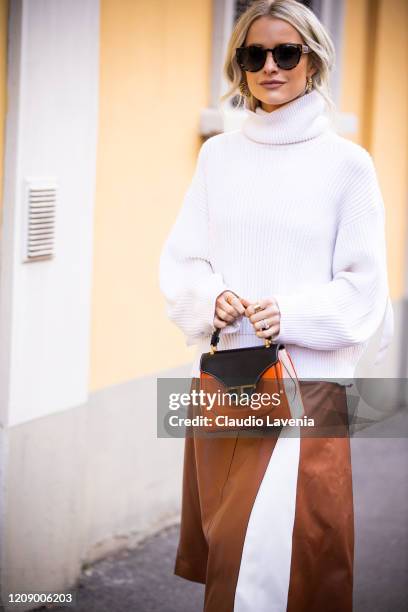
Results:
[283, 207]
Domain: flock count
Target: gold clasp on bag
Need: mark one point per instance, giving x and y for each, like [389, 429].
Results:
[239, 390]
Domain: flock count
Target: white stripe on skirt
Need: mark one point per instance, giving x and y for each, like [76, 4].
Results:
[264, 574]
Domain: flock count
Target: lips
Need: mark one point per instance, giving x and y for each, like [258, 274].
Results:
[271, 85]
[272, 82]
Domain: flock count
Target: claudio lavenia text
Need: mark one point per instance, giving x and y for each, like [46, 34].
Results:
[248, 421]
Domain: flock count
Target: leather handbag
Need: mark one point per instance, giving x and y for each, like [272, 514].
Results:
[234, 378]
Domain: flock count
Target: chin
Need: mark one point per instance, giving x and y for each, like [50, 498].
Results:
[278, 97]
[274, 99]
[272, 96]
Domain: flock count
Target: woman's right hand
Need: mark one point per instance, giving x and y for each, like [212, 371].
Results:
[228, 307]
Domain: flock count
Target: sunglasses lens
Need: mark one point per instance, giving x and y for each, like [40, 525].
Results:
[252, 59]
[287, 56]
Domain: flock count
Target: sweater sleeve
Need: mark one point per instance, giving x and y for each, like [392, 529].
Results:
[348, 309]
[186, 277]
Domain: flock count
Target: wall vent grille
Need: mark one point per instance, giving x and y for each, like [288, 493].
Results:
[41, 199]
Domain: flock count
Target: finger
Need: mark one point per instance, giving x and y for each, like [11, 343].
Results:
[268, 333]
[250, 308]
[270, 320]
[250, 311]
[270, 312]
[235, 302]
[224, 316]
[245, 302]
[219, 323]
[233, 306]
[265, 306]
[224, 305]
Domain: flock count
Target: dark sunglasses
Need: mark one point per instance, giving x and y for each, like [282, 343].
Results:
[286, 56]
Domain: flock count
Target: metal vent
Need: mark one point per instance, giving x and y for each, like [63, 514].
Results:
[41, 200]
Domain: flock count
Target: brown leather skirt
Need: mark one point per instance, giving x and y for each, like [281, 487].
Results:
[267, 522]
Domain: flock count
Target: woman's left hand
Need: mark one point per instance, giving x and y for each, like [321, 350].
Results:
[269, 312]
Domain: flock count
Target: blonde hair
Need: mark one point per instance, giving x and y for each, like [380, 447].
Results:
[310, 29]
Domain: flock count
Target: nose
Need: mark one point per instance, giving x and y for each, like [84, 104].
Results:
[269, 62]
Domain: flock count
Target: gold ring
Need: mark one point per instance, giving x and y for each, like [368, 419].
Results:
[257, 307]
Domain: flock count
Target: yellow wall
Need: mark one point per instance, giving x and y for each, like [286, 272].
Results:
[154, 79]
[375, 88]
[3, 91]
[148, 142]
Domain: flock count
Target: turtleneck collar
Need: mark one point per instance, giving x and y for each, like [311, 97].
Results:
[299, 120]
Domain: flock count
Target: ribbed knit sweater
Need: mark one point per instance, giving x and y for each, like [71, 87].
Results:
[283, 207]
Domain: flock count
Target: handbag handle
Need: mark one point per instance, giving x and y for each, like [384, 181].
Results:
[216, 336]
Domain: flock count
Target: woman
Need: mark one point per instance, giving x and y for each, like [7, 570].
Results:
[281, 235]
